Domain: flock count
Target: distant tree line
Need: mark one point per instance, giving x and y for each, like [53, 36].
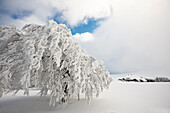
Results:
[157, 79]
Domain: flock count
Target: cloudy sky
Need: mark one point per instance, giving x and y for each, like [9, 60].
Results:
[128, 35]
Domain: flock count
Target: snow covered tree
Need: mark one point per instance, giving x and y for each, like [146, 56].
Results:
[47, 57]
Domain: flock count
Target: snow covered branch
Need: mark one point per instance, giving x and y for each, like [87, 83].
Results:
[47, 57]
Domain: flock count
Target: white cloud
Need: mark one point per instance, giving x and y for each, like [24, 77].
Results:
[135, 38]
[74, 11]
[84, 37]
[7, 20]
[78, 10]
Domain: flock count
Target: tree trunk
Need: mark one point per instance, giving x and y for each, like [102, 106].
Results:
[78, 96]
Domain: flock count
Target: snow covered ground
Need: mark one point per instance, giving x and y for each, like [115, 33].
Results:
[121, 97]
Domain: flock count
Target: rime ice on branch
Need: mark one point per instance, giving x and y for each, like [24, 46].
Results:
[47, 57]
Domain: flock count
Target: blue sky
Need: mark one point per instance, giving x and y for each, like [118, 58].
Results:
[89, 27]
[82, 27]
[128, 35]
